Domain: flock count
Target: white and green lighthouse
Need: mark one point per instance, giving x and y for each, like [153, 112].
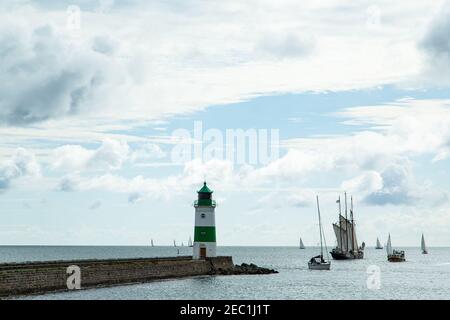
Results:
[205, 224]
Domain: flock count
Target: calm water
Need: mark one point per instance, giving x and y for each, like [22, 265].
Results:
[421, 277]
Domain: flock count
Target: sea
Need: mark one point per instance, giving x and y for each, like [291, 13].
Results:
[420, 277]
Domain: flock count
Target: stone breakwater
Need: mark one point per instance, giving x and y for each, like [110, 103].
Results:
[42, 277]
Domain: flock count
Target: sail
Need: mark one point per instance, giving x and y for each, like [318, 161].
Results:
[302, 246]
[152, 243]
[190, 242]
[340, 237]
[423, 246]
[348, 234]
[389, 246]
[378, 243]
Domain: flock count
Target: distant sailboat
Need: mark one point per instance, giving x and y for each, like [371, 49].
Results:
[152, 243]
[301, 246]
[182, 244]
[394, 255]
[190, 242]
[379, 246]
[174, 243]
[344, 229]
[318, 262]
[423, 246]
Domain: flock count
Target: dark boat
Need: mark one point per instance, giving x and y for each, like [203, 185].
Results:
[347, 245]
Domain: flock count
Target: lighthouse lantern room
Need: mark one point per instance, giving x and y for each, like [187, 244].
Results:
[205, 224]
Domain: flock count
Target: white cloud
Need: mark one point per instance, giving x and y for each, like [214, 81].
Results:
[393, 185]
[22, 164]
[161, 60]
[109, 156]
[146, 153]
[436, 47]
[44, 77]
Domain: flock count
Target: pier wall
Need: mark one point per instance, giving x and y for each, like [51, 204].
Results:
[41, 277]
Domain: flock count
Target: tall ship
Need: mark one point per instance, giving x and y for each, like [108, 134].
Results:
[347, 243]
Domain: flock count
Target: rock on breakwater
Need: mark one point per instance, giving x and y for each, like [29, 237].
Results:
[244, 269]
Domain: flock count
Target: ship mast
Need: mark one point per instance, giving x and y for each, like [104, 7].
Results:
[320, 228]
[340, 222]
[346, 222]
[353, 223]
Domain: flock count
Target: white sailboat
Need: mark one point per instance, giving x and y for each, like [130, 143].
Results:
[423, 246]
[301, 246]
[394, 255]
[190, 242]
[174, 243]
[152, 243]
[379, 246]
[318, 262]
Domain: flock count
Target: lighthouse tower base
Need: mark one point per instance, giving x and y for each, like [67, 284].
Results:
[204, 250]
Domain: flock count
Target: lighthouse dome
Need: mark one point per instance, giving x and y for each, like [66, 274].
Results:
[205, 196]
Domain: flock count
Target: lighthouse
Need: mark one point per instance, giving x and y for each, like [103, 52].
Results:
[205, 224]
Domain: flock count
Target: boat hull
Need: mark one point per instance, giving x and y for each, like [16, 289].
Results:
[396, 259]
[339, 255]
[319, 266]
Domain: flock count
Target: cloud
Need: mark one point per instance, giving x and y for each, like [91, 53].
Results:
[284, 199]
[44, 77]
[22, 164]
[285, 44]
[436, 46]
[95, 205]
[139, 187]
[393, 185]
[68, 183]
[147, 152]
[110, 155]
[163, 61]
[135, 197]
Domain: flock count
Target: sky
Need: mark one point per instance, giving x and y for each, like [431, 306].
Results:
[113, 113]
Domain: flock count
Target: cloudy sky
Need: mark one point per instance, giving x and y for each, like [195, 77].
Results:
[93, 94]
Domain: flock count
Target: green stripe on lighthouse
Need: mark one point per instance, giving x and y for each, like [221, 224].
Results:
[205, 234]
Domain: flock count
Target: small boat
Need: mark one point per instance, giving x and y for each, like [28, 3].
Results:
[379, 246]
[318, 262]
[301, 246]
[394, 255]
[423, 246]
[182, 244]
[152, 243]
[190, 243]
[174, 243]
